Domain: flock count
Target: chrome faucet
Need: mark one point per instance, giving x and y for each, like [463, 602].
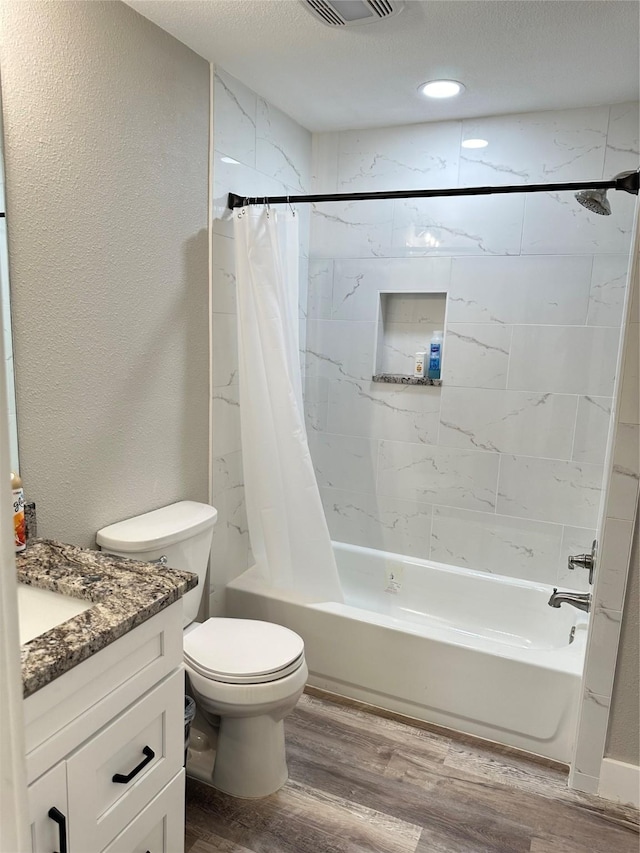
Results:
[581, 600]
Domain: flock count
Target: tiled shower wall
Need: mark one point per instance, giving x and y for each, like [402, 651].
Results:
[611, 673]
[501, 468]
[258, 151]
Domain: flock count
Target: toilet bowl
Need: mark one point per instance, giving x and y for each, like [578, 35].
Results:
[250, 674]
[245, 675]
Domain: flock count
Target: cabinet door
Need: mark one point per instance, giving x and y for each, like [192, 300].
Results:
[118, 772]
[47, 793]
[159, 828]
[65, 713]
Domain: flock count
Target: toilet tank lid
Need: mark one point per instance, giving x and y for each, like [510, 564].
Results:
[158, 528]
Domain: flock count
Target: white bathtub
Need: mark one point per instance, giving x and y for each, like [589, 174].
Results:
[479, 653]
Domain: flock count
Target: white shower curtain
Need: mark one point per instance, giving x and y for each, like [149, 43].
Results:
[287, 526]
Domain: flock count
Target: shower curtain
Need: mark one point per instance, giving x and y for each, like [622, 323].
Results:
[287, 526]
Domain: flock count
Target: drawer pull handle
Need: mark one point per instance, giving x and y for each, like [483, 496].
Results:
[150, 755]
[56, 814]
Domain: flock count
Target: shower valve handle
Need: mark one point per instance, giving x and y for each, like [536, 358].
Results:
[584, 561]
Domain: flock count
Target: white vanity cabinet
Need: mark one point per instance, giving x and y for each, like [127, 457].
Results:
[105, 747]
[47, 794]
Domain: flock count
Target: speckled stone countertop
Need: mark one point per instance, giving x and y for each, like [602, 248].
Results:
[125, 592]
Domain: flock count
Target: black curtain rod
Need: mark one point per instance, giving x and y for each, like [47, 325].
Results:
[628, 183]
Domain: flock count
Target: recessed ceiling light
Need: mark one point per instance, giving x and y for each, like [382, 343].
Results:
[474, 143]
[230, 160]
[441, 88]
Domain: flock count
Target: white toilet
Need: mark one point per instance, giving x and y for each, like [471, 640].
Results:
[250, 674]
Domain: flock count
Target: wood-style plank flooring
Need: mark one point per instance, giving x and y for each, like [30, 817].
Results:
[362, 783]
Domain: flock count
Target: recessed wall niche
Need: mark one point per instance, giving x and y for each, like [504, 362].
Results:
[406, 322]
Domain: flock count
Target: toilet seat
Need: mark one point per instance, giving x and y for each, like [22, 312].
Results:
[243, 651]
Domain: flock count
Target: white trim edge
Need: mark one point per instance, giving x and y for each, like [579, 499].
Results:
[619, 782]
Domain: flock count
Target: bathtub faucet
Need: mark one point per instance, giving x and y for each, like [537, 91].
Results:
[581, 600]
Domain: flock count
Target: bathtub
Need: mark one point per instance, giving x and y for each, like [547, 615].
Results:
[475, 652]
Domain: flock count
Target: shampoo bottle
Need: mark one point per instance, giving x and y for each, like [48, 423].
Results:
[435, 356]
[19, 527]
[420, 364]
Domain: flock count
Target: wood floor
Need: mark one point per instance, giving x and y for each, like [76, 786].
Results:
[360, 783]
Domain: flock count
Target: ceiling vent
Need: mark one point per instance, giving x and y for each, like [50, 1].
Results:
[348, 13]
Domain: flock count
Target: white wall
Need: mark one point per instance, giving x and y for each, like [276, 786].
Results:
[106, 121]
[501, 468]
[14, 826]
[272, 156]
[5, 308]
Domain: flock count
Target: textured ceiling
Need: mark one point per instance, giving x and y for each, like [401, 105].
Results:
[512, 55]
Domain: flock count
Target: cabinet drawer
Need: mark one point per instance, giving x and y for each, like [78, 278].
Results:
[144, 747]
[160, 827]
[49, 792]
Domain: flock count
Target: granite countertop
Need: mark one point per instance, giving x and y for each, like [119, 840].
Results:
[125, 593]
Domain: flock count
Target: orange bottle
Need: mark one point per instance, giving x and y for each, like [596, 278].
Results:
[19, 528]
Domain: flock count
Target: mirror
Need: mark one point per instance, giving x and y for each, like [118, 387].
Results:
[5, 307]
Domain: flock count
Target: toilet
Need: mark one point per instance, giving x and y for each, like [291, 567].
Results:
[245, 675]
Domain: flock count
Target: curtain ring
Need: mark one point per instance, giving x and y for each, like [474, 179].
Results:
[293, 213]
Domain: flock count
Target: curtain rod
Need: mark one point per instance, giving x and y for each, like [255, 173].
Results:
[628, 183]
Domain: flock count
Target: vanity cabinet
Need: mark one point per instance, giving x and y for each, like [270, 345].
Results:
[160, 826]
[105, 746]
[48, 793]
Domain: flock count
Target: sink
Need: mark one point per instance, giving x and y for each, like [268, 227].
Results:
[39, 610]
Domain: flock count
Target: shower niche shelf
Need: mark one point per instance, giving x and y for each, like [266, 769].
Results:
[401, 379]
[406, 322]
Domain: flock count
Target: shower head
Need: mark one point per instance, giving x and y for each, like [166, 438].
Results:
[594, 200]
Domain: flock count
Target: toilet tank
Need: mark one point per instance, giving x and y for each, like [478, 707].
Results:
[181, 532]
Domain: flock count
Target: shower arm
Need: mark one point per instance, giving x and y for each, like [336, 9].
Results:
[628, 183]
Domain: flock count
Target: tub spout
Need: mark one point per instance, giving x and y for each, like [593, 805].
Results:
[581, 600]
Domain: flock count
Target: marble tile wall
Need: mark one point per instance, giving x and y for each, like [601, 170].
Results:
[501, 468]
[619, 513]
[258, 151]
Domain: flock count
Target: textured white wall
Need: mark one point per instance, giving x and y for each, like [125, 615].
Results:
[106, 130]
[5, 311]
